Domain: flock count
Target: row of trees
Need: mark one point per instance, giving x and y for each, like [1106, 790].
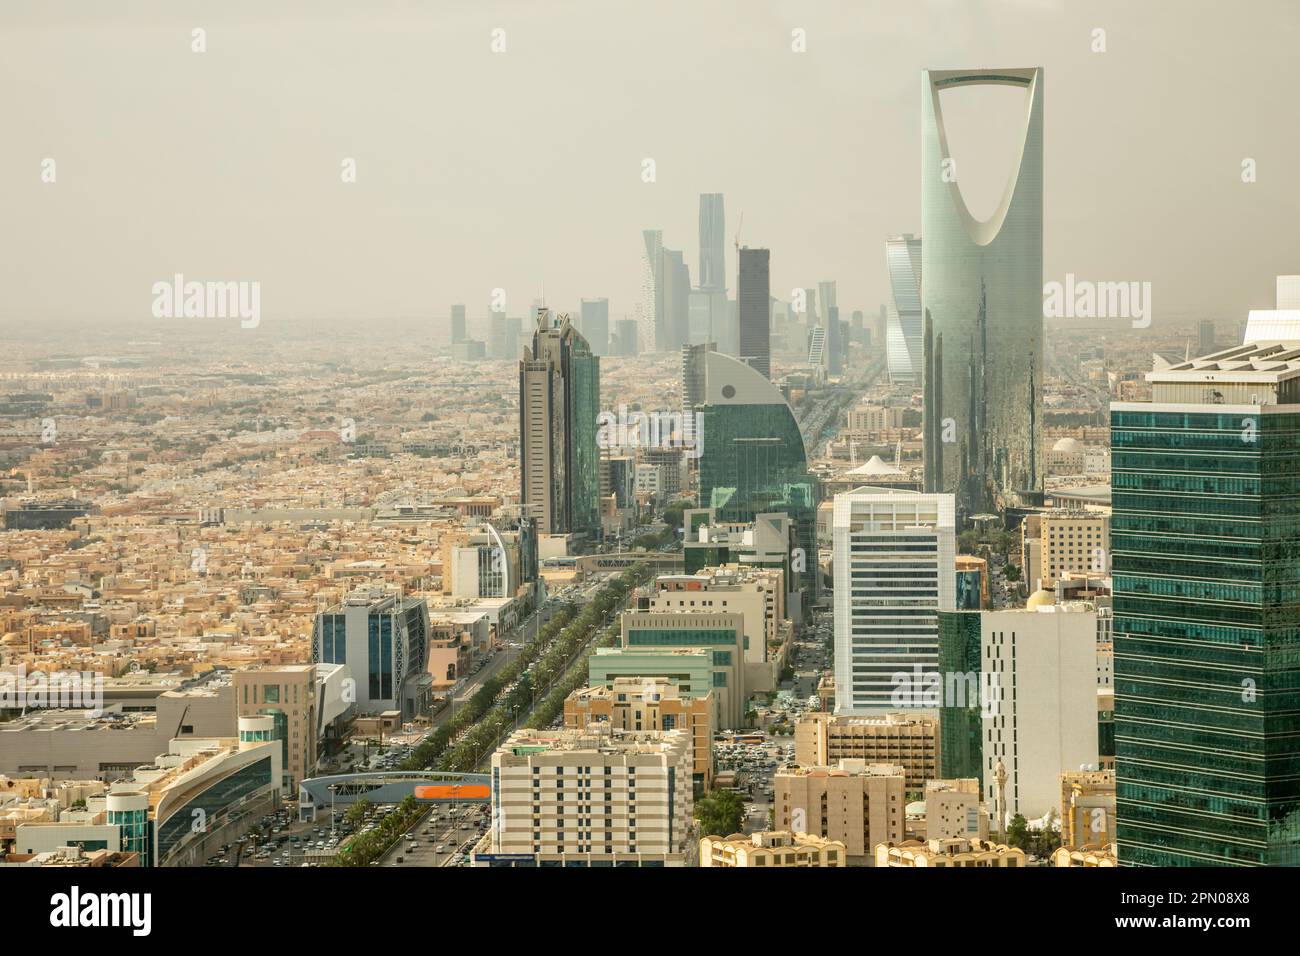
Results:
[365, 848]
[549, 660]
[435, 745]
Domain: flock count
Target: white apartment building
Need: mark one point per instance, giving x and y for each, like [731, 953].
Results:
[1043, 662]
[895, 569]
[593, 797]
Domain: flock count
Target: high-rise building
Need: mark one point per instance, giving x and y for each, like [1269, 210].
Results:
[1206, 644]
[693, 374]
[982, 300]
[595, 325]
[383, 639]
[895, 570]
[677, 300]
[651, 328]
[754, 292]
[457, 324]
[626, 340]
[514, 328]
[496, 343]
[713, 263]
[559, 401]
[829, 319]
[1205, 336]
[753, 459]
[903, 320]
[1040, 671]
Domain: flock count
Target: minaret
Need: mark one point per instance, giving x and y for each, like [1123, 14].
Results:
[1000, 774]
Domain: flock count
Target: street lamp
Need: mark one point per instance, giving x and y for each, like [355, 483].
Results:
[333, 787]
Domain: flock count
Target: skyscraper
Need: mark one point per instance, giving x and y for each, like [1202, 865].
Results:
[1206, 639]
[457, 324]
[713, 263]
[595, 325]
[982, 296]
[895, 570]
[753, 459]
[677, 300]
[754, 292]
[829, 316]
[650, 317]
[903, 320]
[559, 400]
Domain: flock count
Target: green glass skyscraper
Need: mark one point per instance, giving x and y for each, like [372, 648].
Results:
[559, 401]
[1206, 555]
[753, 458]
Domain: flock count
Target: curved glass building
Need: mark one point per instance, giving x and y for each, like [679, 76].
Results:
[753, 458]
[982, 300]
[903, 322]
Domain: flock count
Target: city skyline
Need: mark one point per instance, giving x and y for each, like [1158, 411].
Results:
[209, 191]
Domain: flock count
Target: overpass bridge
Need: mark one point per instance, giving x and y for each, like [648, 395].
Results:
[390, 786]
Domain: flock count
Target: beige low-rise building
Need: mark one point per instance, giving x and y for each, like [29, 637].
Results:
[648, 703]
[854, 802]
[953, 809]
[949, 853]
[1092, 857]
[911, 740]
[1087, 809]
[772, 849]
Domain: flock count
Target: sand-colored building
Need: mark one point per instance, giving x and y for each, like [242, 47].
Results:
[648, 703]
[911, 740]
[857, 803]
[772, 849]
[1091, 857]
[1087, 809]
[949, 853]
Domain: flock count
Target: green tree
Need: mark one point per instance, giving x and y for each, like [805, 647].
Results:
[721, 813]
[1018, 834]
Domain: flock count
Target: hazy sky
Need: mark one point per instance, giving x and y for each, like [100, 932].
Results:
[478, 170]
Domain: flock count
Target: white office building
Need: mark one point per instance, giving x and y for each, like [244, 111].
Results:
[1043, 662]
[895, 557]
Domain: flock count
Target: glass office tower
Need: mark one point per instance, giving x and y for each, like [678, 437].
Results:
[903, 322]
[982, 302]
[1205, 536]
[754, 459]
[559, 401]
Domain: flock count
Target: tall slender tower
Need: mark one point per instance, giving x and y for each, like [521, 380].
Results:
[754, 292]
[713, 264]
[982, 290]
[559, 401]
[903, 319]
